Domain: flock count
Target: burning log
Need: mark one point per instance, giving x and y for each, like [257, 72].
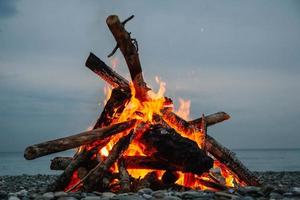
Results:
[74, 141]
[63, 180]
[228, 158]
[124, 176]
[211, 184]
[130, 53]
[131, 162]
[93, 179]
[166, 144]
[114, 106]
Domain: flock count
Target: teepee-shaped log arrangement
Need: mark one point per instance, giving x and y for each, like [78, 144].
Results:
[138, 141]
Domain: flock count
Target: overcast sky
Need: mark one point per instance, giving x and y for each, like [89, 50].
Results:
[241, 57]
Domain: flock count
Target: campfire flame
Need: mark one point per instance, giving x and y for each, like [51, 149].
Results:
[145, 112]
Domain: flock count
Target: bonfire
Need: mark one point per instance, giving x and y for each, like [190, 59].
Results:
[140, 141]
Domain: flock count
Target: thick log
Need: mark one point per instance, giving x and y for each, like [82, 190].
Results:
[166, 144]
[130, 53]
[106, 72]
[92, 181]
[77, 140]
[228, 158]
[124, 176]
[131, 162]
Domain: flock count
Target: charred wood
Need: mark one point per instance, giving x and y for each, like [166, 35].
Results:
[124, 176]
[93, 179]
[168, 145]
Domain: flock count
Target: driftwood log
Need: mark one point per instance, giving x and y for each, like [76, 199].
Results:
[228, 158]
[74, 141]
[130, 53]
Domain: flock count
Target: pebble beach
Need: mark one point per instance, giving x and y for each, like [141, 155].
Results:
[277, 185]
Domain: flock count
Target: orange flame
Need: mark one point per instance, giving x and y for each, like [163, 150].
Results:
[144, 112]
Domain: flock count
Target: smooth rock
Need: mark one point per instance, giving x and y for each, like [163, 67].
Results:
[48, 195]
[171, 198]
[275, 195]
[159, 194]
[92, 198]
[248, 198]
[146, 196]
[108, 194]
[22, 193]
[145, 191]
[67, 198]
[191, 194]
[60, 194]
[127, 197]
[13, 198]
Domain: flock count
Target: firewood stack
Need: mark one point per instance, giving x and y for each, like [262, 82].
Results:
[169, 151]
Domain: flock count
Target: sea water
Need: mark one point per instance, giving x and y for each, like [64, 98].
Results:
[13, 163]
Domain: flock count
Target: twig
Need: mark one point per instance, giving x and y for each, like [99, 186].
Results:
[128, 19]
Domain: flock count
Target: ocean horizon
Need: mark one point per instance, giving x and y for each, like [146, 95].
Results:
[13, 163]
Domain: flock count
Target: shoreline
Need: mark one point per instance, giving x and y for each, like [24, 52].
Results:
[276, 185]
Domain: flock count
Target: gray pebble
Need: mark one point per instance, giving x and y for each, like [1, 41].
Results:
[248, 198]
[48, 195]
[108, 194]
[191, 194]
[60, 194]
[66, 198]
[146, 196]
[275, 195]
[92, 198]
[159, 194]
[127, 197]
[145, 191]
[13, 198]
[171, 198]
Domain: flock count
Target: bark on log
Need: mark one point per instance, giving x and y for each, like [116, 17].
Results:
[105, 72]
[74, 141]
[92, 182]
[124, 176]
[131, 162]
[228, 158]
[129, 51]
[63, 180]
[166, 144]
[191, 127]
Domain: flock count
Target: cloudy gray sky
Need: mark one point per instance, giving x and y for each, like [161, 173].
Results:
[241, 57]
